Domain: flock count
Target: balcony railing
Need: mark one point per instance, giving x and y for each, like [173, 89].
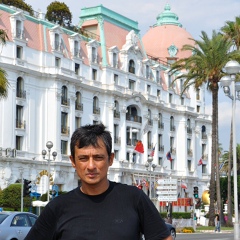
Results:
[173, 150]
[96, 110]
[161, 125]
[65, 101]
[161, 148]
[20, 124]
[19, 33]
[172, 128]
[150, 122]
[132, 142]
[21, 94]
[189, 152]
[65, 130]
[117, 140]
[133, 118]
[79, 106]
[131, 70]
[204, 136]
[189, 130]
[205, 156]
[116, 114]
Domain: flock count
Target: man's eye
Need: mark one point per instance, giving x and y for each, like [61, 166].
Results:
[99, 158]
[82, 159]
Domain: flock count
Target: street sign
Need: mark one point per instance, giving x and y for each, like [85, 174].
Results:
[167, 181]
[167, 190]
[167, 198]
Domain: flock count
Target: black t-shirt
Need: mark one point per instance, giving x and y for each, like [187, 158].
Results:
[122, 212]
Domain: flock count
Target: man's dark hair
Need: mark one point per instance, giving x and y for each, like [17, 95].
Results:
[88, 135]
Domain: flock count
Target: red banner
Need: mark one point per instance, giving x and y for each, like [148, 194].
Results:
[181, 202]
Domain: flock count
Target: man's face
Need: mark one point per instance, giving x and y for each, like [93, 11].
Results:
[92, 163]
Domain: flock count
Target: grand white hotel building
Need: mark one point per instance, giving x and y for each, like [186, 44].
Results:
[60, 80]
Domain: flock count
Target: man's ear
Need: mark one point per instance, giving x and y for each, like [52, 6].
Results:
[111, 159]
[72, 161]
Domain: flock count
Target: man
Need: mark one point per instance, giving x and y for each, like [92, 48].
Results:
[99, 209]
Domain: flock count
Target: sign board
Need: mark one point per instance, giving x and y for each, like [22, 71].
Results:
[166, 181]
[171, 198]
[181, 202]
[167, 190]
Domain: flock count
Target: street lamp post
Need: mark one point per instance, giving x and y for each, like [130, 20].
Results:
[151, 166]
[232, 68]
[49, 145]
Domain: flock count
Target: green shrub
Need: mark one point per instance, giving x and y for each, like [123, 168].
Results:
[177, 215]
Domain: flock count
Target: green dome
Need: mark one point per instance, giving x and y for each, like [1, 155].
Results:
[167, 17]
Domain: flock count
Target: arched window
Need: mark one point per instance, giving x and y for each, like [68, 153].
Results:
[78, 102]
[65, 100]
[96, 109]
[172, 127]
[20, 88]
[189, 129]
[131, 67]
[160, 122]
[204, 133]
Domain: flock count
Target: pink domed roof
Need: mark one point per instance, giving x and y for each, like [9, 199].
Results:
[166, 38]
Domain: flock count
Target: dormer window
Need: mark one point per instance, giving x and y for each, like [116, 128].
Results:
[57, 42]
[113, 56]
[92, 48]
[75, 45]
[56, 39]
[17, 24]
[94, 54]
[147, 72]
[131, 67]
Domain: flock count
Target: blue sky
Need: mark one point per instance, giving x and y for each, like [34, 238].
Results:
[195, 16]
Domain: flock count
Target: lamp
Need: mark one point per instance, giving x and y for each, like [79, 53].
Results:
[232, 68]
[49, 146]
[150, 167]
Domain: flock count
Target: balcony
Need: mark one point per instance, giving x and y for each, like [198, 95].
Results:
[160, 125]
[161, 148]
[79, 106]
[65, 130]
[21, 94]
[65, 101]
[96, 110]
[172, 128]
[20, 124]
[116, 114]
[189, 130]
[133, 118]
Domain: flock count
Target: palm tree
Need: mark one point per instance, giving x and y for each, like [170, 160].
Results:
[205, 66]
[4, 84]
[231, 31]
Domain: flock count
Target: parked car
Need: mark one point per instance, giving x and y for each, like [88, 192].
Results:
[16, 225]
[172, 230]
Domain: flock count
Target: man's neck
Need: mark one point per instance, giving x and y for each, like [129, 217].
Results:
[93, 189]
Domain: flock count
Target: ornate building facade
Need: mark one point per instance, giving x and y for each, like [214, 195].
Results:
[61, 80]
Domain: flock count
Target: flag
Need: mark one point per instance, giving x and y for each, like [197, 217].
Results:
[145, 129]
[152, 152]
[168, 155]
[139, 147]
[221, 165]
[144, 182]
[184, 185]
[200, 162]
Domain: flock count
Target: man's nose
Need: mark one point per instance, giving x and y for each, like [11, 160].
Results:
[91, 163]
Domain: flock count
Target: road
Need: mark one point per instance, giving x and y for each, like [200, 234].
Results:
[205, 236]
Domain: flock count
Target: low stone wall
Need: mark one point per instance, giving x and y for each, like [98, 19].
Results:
[180, 223]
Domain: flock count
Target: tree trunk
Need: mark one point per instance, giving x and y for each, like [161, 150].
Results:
[212, 187]
[229, 190]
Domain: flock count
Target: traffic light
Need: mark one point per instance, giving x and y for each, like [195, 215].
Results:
[195, 192]
[26, 187]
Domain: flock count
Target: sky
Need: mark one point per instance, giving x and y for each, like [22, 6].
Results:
[194, 15]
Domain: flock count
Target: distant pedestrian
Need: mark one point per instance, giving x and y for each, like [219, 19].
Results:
[217, 223]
